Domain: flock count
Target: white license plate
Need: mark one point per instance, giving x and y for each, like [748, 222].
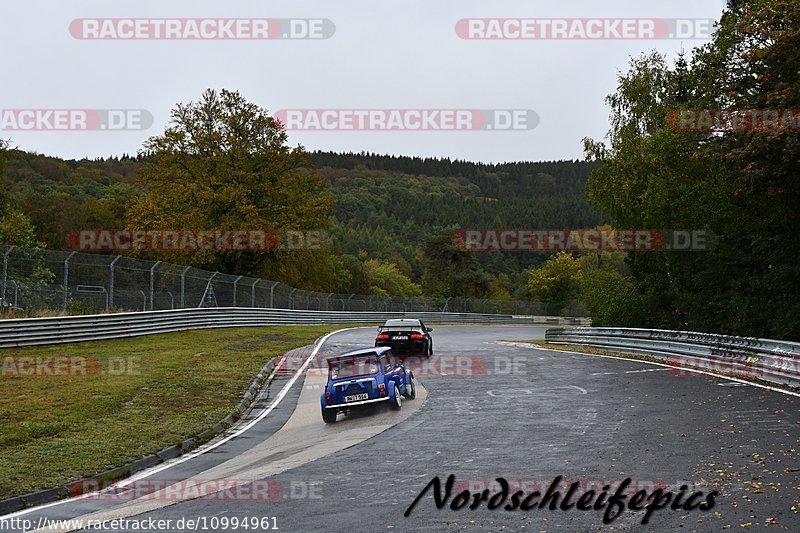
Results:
[401, 337]
[356, 397]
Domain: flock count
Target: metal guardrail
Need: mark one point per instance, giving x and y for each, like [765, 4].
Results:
[59, 330]
[765, 359]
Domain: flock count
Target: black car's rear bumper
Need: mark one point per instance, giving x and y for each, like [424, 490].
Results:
[401, 347]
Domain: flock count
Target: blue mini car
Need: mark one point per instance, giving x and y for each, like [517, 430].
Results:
[365, 377]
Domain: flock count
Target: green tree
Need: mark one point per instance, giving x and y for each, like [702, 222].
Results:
[224, 163]
[557, 281]
[385, 279]
[501, 288]
[450, 270]
[15, 227]
[740, 184]
[606, 290]
[4, 193]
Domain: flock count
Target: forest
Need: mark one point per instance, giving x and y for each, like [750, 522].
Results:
[385, 212]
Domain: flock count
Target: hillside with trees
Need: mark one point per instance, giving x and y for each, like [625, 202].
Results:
[391, 219]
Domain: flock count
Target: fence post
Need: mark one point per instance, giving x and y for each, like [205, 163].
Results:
[327, 302]
[66, 278]
[234, 289]
[144, 300]
[272, 294]
[210, 285]
[152, 282]
[253, 293]
[183, 285]
[291, 300]
[5, 274]
[16, 292]
[446, 303]
[111, 281]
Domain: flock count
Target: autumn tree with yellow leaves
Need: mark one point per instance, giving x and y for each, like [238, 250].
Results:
[224, 163]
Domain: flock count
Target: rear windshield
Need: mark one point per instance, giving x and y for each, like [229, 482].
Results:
[401, 328]
[398, 323]
[362, 366]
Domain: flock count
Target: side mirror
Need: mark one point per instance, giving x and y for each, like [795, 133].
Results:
[429, 329]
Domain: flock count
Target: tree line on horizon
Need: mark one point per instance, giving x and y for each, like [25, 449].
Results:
[385, 214]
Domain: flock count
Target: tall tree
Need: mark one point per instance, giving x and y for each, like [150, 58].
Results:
[224, 163]
[740, 184]
[449, 270]
[15, 227]
[4, 194]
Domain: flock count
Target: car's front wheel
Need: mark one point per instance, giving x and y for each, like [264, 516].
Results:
[397, 402]
[328, 415]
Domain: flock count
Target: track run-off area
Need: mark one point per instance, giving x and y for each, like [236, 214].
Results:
[485, 409]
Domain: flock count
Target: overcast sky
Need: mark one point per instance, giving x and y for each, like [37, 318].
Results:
[383, 55]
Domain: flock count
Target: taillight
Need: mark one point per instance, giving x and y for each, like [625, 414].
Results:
[327, 397]
[383, 336]
[382, 389]
[417, 336]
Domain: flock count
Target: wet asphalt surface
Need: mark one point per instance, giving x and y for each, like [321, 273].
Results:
[528, 416]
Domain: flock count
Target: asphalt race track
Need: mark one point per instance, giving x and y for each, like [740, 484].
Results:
[487, 410]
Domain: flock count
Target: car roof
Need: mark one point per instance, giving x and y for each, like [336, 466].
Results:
[403, 322]
[378, 350]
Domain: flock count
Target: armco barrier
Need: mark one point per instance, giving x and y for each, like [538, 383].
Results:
[58, 330]
[765, 359]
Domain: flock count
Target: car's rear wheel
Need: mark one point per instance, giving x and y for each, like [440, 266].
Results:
[328, 415]
[397, 401]
[430, 349]
[411, 389]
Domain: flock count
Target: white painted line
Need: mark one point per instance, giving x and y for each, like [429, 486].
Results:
[736, 380]
[182, 459]
[629, 372]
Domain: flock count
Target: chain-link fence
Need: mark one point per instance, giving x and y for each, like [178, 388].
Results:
[78, 283]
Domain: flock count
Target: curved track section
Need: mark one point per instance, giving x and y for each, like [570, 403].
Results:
[498, 410]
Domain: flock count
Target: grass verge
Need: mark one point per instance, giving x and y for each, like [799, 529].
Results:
[117, 400]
